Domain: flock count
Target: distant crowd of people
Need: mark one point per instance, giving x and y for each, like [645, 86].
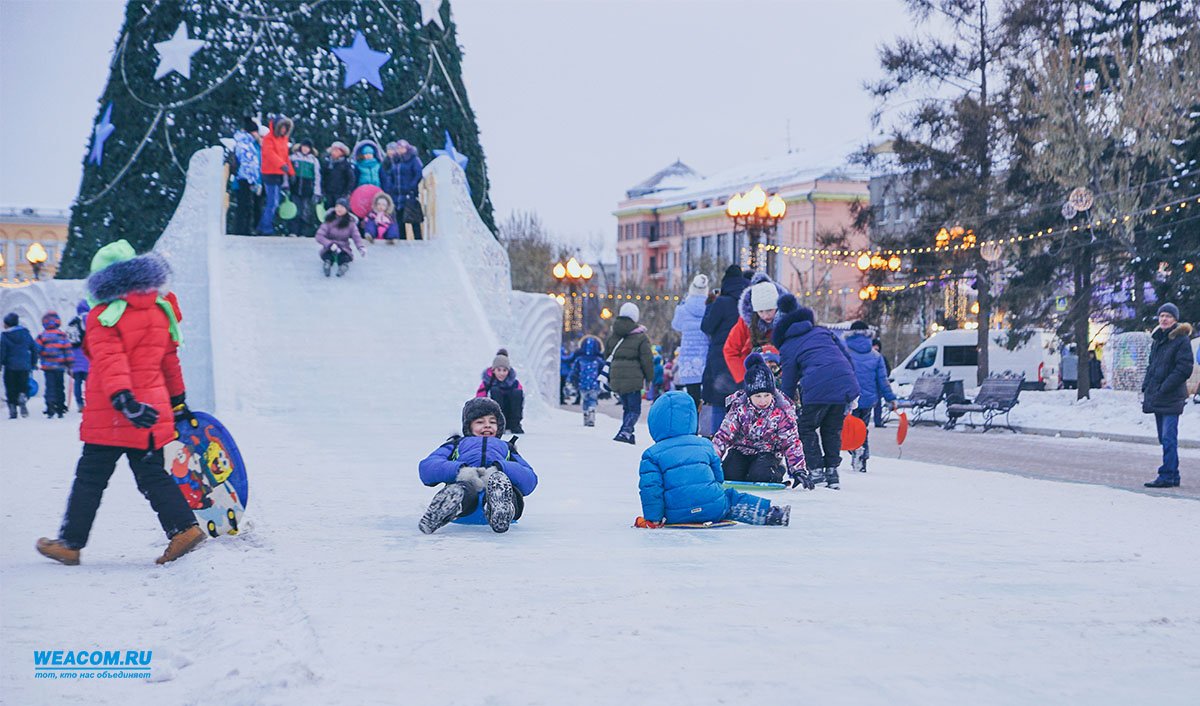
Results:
[269, 169]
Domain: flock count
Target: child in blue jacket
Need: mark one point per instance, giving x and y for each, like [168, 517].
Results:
[681, 476]
[485, 479]
[585, 373]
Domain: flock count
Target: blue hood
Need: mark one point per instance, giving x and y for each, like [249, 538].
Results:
[674, 414]
[859, 343]
[590, 346]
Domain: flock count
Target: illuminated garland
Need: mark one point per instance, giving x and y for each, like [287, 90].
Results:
[814, 253]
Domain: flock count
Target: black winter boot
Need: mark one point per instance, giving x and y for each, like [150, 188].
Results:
[498, 505]
[327, 267]
[342, 268]
[12, 411]
[1164, 480]
[445, 506]
[831, 478]
[779, 515]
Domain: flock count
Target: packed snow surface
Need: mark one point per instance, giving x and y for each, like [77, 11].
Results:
[1107, 411]
[914, 584]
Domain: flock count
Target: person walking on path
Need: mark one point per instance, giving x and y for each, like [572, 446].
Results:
[717, 383]
[54, 351]
[815, 360]
[632, 366]
[688, 371]
[873, 385]
[887, 367]
[1164, 390]
[18, 358]
[137, 395]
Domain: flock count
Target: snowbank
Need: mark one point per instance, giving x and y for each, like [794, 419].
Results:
[1108, 411]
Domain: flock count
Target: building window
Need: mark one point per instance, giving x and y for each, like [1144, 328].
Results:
[883, 210]
[721, 242]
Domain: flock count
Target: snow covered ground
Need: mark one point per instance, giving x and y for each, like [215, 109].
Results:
[915, 584]
[1108, 411]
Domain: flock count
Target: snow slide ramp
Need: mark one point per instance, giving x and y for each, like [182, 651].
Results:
[404, 334]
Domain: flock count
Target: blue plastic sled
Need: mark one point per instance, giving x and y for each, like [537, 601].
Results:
[752, 487]
[33, 387]
[208, 468]
[477, 517]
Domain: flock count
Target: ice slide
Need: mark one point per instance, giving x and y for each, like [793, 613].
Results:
[406, 332]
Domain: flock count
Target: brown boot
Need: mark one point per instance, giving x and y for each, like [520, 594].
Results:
[181, 544]
[58, 551]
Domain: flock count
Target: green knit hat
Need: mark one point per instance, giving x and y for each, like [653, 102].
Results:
[111, 254]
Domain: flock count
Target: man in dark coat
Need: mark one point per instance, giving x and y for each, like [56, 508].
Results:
[401, 178]
[1164, 390]
[18, 358]
[815, 359]
[722, 314]
[337, 175]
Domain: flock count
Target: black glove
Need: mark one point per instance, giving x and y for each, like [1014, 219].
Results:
[179, 406]
[142, 416]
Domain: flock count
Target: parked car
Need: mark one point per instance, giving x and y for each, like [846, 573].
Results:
[955, 352]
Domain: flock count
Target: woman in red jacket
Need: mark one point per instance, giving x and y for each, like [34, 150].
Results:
[276, 162]
[754, 327]
[135, 382]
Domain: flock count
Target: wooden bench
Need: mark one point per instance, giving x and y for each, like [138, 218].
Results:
[927, 392]
[997, 396]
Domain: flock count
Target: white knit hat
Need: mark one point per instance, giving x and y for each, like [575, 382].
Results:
[764, 296]
[630, 310]
[699, 286]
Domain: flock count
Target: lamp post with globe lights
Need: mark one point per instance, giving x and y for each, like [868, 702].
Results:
[758, 215]
[36, 255]
[576, 276]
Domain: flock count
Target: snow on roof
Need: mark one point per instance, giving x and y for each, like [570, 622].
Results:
[772, 173]
[670, 178]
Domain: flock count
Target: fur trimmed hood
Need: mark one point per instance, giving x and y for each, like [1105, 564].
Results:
[1181, 329]
[145, 273]
[745, 307]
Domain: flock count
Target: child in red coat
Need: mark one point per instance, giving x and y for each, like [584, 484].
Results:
[135, 383]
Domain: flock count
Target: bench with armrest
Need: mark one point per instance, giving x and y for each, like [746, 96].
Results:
[997, 396]
[927, 392]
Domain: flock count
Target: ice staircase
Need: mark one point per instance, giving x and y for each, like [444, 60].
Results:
[404, 335]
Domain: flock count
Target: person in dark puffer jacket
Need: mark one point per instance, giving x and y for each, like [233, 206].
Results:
[484, 477]
[54, 350]
[873, 385]
[815, 359]
[135, 384]
[500, 383]
[1164, 390]
[18, 357]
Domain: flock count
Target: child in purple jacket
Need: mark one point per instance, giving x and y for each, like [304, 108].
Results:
[759, 427]
[485, 479]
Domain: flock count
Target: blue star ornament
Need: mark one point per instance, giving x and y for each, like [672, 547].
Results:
[362, 62]
[452, 152]
[100, 133]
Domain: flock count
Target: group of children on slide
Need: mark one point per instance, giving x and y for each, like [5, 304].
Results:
[485, 480]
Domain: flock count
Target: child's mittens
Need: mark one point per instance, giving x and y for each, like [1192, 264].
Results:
[643, 523]
[474, 476]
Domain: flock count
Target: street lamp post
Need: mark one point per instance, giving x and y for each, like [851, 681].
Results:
[576, 276]
[36, 255]
[758, 215]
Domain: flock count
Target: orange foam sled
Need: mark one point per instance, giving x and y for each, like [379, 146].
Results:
[902, 431]
[854, 433]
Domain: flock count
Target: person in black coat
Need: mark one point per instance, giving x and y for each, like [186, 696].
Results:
[337, 175]
[401, 178]
[1164, 390]
[719, 318]
[18, 358]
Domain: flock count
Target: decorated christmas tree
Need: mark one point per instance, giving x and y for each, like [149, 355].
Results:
[185, 73]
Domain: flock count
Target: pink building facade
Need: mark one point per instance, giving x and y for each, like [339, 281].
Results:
[673, 226]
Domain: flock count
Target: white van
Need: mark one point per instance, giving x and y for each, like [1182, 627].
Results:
[954, 352]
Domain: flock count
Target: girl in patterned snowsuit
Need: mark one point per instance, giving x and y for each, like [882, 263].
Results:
[760, 426]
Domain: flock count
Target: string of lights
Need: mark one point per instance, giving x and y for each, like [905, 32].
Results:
[831, 254]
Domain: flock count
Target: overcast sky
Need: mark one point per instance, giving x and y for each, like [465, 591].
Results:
[576, 99]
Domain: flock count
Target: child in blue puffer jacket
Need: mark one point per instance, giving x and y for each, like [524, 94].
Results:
[681, 476]
[585, 373]
[485, 479]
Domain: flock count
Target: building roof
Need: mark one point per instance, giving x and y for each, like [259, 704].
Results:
[672, 177]
[44, 216]
[773, 174]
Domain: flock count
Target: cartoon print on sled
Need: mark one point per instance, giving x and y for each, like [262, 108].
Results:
[209, 471]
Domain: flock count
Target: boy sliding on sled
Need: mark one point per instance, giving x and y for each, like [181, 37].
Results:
[478, 468]
[681, 476]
